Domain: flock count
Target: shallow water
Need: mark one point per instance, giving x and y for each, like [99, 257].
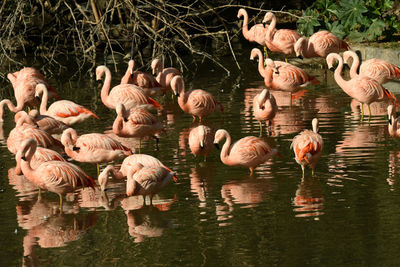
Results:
[219, 215]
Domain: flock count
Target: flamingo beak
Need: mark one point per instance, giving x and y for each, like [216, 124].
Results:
[125, 119]
[217, 146]
[99, 83]
[201, 144]
[76, 148]
[390, 120]
[264, 23]
[332, 69]
[177, 94]
[300, 56]
[23, 158]
[38, 98]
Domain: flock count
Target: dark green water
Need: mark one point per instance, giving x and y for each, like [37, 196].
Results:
[348, 214]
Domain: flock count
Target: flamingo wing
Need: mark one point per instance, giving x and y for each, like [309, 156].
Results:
[200, 99]
[66, 108]
[96, 141]
[142, 116]
[250, 148]
[307, 142]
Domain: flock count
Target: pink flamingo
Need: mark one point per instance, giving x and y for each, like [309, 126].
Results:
[163, 75]
[198, 103]
[282, 76]
[320, 44]
[362, 88]
[394, 123]
[138, 123]
[280, 41]
[45, 123]
[60, 177]
[24, 83]
[92, 148]
[63, 110]
[128, 94]
[201, 141]
[264, 108]
[250, 151]
[25, 129]
[307, 147]
[378, 69]
[148, 83]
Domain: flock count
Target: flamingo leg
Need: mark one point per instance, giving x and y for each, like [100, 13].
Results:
[157, 141]
[144, 200]
[313, 172]
[98, 170]
[286, 59]
[260, 128]
[369, 111]
[140, 145]
[251, 171]
[151, 200]
[61, 203]
[265, 51]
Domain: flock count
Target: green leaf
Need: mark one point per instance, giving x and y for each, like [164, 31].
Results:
[351, 13]
[307, 22]
[375, 29]
[336, 29]
[356, 36]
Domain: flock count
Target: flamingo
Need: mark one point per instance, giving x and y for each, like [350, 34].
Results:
[280, 41]
[198, 103]
[307, 147]
[25, 129]
[320, 44]
[250, 151]
[378, 69]
[93, 148]
[138, 123]
[362, 88]
[63, 110]
[163, 75]
[24, 83]
[60, 177]
[394, 123]
[128, 94]
[41, 155]
[45, 123]
[201, 141]
[148, 83]
[264, 108]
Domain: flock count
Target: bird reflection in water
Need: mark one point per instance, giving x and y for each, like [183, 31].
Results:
[26, 190]
[201, 181]
[309, 199]
[394, 170]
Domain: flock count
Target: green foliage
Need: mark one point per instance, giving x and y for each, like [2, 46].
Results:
[358, 20]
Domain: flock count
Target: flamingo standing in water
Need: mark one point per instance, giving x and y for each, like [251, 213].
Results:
[63, 110]
[394, 123]
[362, 88]
[250, 151]
[148, 83]
[307, 147]
[163, 75]
[128, 94]
[378, 69]
[92, 148]
[264, 108]
[45, 123]
[60, 177]
[280, 41]
[139, 123]
[201, 141]
[320, 44]
[198, 103]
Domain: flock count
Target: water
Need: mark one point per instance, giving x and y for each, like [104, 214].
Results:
[219, 215]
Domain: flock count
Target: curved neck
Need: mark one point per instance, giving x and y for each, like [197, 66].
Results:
[118, 125]
[261, 68]
[393, 124]
[105, 90]
[43, 104]
[245, 27]
[26, 164]
[338, 75]
[271, 29]
[354, 65]
[268, 77]
[10, 106]
[307, 50]
[225, 148]
[182, 99]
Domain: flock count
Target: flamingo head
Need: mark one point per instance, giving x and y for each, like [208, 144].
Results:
[131, 66]
[241, 13]
[330, 60]
[26, 150]
[219, 136]
[69, 138]
[300, 46]
[121, 111]
[268, 17]
[100, 70]
[34, 113]
[39, 90]
[315, 125]
[131, 182]
[255, 52]
[156, 66]
[177, 85]
[262, 97]
[103, 177]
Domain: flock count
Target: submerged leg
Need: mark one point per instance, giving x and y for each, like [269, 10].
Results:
[362, 111]
[61, 203]
[260, 123]
[157, 141]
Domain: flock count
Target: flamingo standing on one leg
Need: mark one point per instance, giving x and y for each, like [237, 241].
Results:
[45, 123]
[138, 123]
[307, 147]
[280, 41]
[394, 123]
[148, 83]
[320, 44]
[128, 94]
[264, 108]
[63, 110]
[93, 148]
[362, 88]
[378, 69]
[250, 151]
[60, 177]
[198, 103]
[201, 141]
[163, 75]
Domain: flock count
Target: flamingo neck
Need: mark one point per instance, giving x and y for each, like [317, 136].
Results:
[261, 68]
[10, 106]
[338, 76]
[393, 124]
[271, 29]
[118, 125]
[105, 90]
[182, 99]
[268, 77]
[43, 104]
[26, 164]
[245, 27]
[354, 65]
[225, 149]
[307, 49]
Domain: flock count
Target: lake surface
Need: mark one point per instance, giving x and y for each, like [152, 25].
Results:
[348, 214]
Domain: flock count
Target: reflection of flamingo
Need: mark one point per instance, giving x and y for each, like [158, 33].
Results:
[320, 44]
[307, 147]
[62, 110]
[378, 69]
[128, 94]
[264, 108]
[281, 41]
[394, 123]
[163, 75]
[250, 151]
[201, 141]
[309, 199]
[145, 81]
[364, 89]
[56, 176]
[249, 192]
[198, 103]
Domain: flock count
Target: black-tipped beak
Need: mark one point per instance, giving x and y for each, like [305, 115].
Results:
[75, 148]
[131, 75]
[264, 23]
[216, 145]
[177, 94]
[38, 98]
[99, 82]
[390, 121]
[300, 56]
[332, 69]
[37, 125]
[276, 72]
[23, 158]
[125, 119]
[201, 147]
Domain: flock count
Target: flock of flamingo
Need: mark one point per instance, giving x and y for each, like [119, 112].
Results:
[38, 132]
